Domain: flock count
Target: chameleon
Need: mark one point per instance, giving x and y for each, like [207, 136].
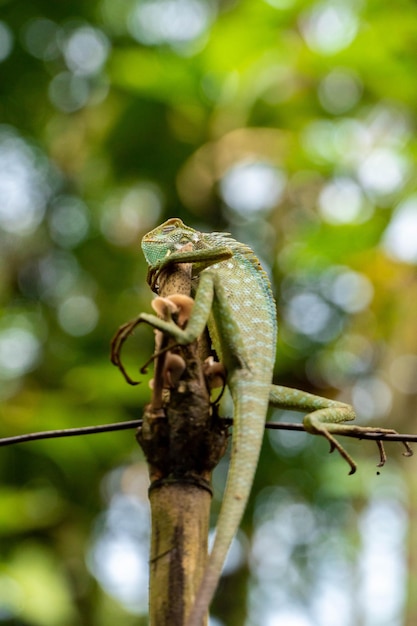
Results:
[234, 299]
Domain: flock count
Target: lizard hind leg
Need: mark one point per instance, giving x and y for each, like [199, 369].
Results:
[328, 422]
[328, 418]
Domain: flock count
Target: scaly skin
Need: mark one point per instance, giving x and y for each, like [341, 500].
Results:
[234, 299]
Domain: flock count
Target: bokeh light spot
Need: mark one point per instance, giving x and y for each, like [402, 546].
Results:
[383, 172]
[169, 21]
[19, 352]
[341, 201]
[400, 237]
[383, 572]
[59, 273]
[329, 27]
[78, 315]
[68, 221]
[6, 41]
[352, 291]
[69, 92]
[125, 218]
[311, 315]
[40, 36]
[119, 553]
[339, 91]
[86, 50]
[24, 189]
[249, 187]
[372, 398]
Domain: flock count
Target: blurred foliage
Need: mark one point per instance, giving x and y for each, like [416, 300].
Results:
[290, 124]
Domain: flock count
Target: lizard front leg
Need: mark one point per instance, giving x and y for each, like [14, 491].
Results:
[201, 259]
[198, 318]
[195, 326]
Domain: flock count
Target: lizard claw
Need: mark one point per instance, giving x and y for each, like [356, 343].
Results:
[382, 453]
[332, 447]
[408, 450]
[116, 347]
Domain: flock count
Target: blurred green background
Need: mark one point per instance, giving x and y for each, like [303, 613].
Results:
[290, 124]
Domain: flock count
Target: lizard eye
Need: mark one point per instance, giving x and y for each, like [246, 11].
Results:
[171, 225]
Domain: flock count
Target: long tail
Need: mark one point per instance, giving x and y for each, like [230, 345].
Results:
[250, 406]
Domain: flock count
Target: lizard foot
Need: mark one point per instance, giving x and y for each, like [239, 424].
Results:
[328, 430]
[116, 347]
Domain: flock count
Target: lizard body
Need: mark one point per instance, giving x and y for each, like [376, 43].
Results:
[234, 299]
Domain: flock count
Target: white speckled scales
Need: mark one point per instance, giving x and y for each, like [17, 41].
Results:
[243, 330]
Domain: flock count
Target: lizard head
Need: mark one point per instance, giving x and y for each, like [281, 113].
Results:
[167, 238]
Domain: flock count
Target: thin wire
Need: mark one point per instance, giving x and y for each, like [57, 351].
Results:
[105, 428]
[69, 432]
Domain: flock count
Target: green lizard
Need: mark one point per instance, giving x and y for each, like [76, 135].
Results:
[234, 299]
